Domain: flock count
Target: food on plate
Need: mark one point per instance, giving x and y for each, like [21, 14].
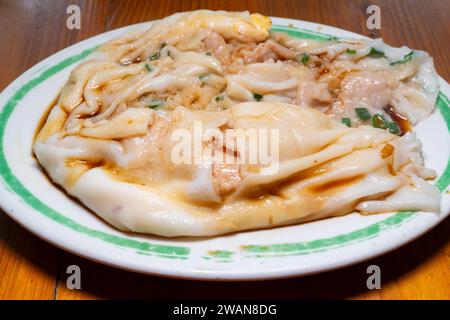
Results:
[208, 123]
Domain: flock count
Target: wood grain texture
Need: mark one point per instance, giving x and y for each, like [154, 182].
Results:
[33, 269]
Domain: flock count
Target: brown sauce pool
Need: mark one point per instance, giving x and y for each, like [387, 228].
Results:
[402, 122]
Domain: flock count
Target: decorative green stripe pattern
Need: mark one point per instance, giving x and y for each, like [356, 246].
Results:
[181, 252]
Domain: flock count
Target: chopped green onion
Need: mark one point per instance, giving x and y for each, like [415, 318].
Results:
[393, 128]
[374, 53]
[347, 122]
[362, 113]
[379, 121]
[154, 57]
[155, 104]
[350, 51]
[219, 98]
[302, 58]
[405, 59]
[148, 67]
[257, 96]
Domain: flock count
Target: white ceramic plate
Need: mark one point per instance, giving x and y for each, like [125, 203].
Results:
[30, 199]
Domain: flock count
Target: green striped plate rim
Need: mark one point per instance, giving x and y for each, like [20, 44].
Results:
[15, 186]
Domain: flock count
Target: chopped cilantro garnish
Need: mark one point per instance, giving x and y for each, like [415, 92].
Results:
[302, 58]
[405, 59]
[155, 104]
[374, 53]
[257, 96]
[350, 51]
[219, 98]
[154, 57]
[393, 128]
[379, 121]
[347, 122]
[148, 67]
[362, 113]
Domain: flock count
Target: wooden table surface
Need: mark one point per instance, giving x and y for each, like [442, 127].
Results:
[33, 269]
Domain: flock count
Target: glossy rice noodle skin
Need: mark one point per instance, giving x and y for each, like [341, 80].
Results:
[109, 139]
